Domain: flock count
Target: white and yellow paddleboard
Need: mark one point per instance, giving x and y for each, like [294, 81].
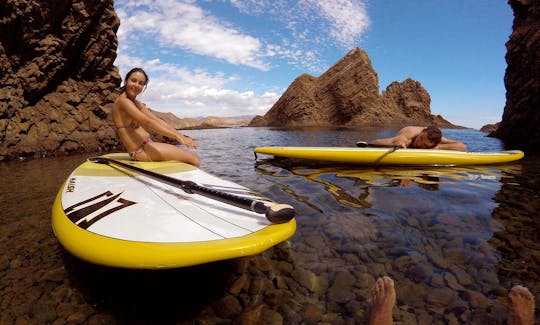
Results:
[390, 156]
[111, 216]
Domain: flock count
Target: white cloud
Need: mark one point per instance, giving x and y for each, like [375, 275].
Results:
[295, 33]
[348, 18]
[345, 20]
[168, 95]
[184, 25]
[194, 92]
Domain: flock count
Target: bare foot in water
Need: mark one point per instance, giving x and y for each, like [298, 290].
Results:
[522, 309]
[383, 298]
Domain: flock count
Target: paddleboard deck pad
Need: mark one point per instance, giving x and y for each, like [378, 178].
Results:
[392, 156]
[112, 216]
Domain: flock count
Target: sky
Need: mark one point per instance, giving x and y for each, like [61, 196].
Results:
[232, 58]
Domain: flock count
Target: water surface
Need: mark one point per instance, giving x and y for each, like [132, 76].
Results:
[453, 239]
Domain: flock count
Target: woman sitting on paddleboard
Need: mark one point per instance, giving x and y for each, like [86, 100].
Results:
[132, 117]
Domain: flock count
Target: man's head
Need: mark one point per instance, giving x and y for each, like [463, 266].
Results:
[429, 138]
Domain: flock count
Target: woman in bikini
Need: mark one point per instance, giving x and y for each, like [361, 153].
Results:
[131, 118]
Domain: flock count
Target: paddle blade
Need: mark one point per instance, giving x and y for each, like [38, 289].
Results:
[280, 213]
[276, 213]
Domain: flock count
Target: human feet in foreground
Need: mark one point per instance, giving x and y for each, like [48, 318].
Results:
[522, 307]
[383, 298]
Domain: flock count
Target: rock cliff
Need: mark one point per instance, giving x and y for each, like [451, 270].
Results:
[57, 79]
[347, 94]
[56, 76]
[520, 124]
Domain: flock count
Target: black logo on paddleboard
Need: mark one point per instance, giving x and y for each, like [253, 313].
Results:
[70, 188]
[103, 204]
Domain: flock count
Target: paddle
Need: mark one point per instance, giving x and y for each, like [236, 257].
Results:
[363, 144]
[275, 213]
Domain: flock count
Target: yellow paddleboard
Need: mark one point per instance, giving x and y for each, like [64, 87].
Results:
[111, 216]
[391, 156]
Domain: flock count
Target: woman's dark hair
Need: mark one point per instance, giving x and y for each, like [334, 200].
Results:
[132, 71]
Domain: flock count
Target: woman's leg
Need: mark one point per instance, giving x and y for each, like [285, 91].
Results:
[157, 151]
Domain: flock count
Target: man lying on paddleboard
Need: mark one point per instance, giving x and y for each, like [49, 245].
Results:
[419, 137]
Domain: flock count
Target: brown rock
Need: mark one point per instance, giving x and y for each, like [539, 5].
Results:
[242, 283]
[476, 299]
[441, 296]
[228, 306]
[348, 94]
[260, 314]
[341, 289]
[56, 77]
[312, 314]
[488, 128]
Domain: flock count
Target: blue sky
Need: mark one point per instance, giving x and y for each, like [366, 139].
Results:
[233, 57]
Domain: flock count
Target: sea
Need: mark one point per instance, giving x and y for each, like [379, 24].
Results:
[453, 239]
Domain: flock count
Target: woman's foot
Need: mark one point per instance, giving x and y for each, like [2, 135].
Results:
[522, 308]
[383, 298]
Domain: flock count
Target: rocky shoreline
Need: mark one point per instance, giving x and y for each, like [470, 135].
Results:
[61, 106]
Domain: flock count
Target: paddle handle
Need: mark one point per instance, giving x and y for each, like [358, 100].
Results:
[275, 213]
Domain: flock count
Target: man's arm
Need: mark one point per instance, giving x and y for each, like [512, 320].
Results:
[402, 139]
[449, 144]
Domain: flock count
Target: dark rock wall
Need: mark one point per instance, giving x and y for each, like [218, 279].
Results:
[520, 125]
[56, 76]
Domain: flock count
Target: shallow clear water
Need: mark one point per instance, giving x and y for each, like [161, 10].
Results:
[453, 239]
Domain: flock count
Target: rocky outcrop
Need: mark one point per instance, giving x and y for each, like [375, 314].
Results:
[199, 123]
[488, 128]
[348, 95]
[56, 76]
[519, 128]
[57, 79]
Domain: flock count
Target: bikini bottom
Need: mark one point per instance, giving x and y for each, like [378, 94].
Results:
[133, 154]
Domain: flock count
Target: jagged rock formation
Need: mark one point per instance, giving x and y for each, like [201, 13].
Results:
[347, 94]
[56, 76]
[488, 128]
[520, 125]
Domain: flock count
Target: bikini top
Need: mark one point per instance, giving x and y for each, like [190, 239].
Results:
[132, 125]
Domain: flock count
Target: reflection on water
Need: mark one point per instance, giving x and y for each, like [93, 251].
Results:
[454, 240]
[430, 228]
[355, 179]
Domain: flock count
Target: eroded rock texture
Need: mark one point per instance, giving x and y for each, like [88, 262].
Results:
[348, 95]
[56, 76]
[520, 125]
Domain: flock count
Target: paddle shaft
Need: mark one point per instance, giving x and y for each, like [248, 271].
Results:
[363, 144]
[276, 213]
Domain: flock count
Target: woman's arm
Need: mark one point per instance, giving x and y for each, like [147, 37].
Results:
[184, 139]
[150, 121]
